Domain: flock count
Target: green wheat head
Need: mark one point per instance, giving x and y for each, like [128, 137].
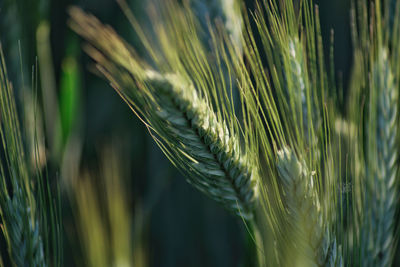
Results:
[29, 231]
[18, 210]
[377, 58]
[382, 170]
[309, 229]
[180, 115]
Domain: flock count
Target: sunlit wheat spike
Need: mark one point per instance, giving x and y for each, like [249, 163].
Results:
[195, 139]
[382, 193]
[311, 235]
[216, 157]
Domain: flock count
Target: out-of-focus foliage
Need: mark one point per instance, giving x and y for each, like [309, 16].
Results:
[105, 218]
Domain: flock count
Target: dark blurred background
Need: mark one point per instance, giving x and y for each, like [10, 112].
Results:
[181, 226]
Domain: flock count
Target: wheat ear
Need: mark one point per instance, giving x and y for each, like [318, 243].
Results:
[382, 170]
[313, 243]
[216, 158]
[296, 90]
[25, 242]
[194, 139]
[19, 214]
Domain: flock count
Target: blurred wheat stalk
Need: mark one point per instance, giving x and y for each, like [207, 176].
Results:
[29, 212]
[108, 231]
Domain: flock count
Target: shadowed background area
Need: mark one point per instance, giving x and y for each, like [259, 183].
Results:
[175, 224]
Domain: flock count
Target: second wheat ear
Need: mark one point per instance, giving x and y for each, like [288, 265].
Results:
[313, 241]
[382, 168]
[20, 213]
[197, 141]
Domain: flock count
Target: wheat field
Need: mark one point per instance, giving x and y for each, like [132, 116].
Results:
[199, 133]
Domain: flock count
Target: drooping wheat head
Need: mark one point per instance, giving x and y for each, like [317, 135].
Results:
[188, 117]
